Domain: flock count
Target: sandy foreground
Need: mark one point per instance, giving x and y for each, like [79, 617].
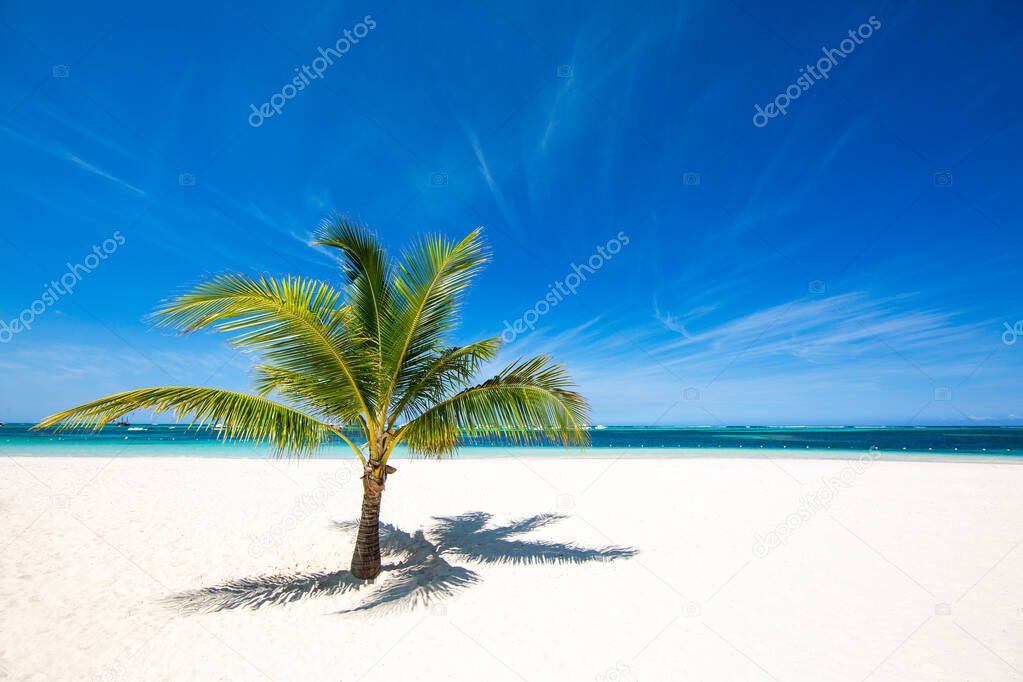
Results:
[744, 570]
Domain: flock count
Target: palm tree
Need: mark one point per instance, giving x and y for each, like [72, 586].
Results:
[369, 361]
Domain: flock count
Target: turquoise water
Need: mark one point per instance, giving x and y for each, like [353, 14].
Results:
[167, 440]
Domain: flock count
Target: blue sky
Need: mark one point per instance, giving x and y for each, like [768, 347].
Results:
[853, 261]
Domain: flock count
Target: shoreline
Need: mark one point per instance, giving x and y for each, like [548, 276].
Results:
[684, 454]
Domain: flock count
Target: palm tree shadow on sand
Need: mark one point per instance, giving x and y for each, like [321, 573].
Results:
[419, 572]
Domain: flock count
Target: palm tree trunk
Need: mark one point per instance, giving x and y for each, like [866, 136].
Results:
[366, 558]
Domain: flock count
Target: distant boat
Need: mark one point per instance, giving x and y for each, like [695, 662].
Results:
[220, 427]
[600, 427]
[135, 428]
[123, 424]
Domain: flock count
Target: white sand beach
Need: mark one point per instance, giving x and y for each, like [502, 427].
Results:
[907, 571]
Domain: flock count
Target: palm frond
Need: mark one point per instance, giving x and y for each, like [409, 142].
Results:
[428, 286]
[296, 324]
[368, 289]
[450, 370]
[530, 401]
[312, 393]
[241, 416]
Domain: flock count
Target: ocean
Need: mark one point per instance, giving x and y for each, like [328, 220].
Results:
[613, 441]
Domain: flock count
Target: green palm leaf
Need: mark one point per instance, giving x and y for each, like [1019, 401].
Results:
[428, 284]
[449, 371]
[296, 324]
[242, 416]
[368, 287]
[531, 401]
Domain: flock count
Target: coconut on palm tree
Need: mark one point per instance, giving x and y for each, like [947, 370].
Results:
[371, 361]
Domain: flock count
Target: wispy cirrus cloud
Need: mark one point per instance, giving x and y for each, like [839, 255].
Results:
[850, 353]
[505, 208]
[677, 323]
[59, 151]
[835, 328]
[96, 170]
